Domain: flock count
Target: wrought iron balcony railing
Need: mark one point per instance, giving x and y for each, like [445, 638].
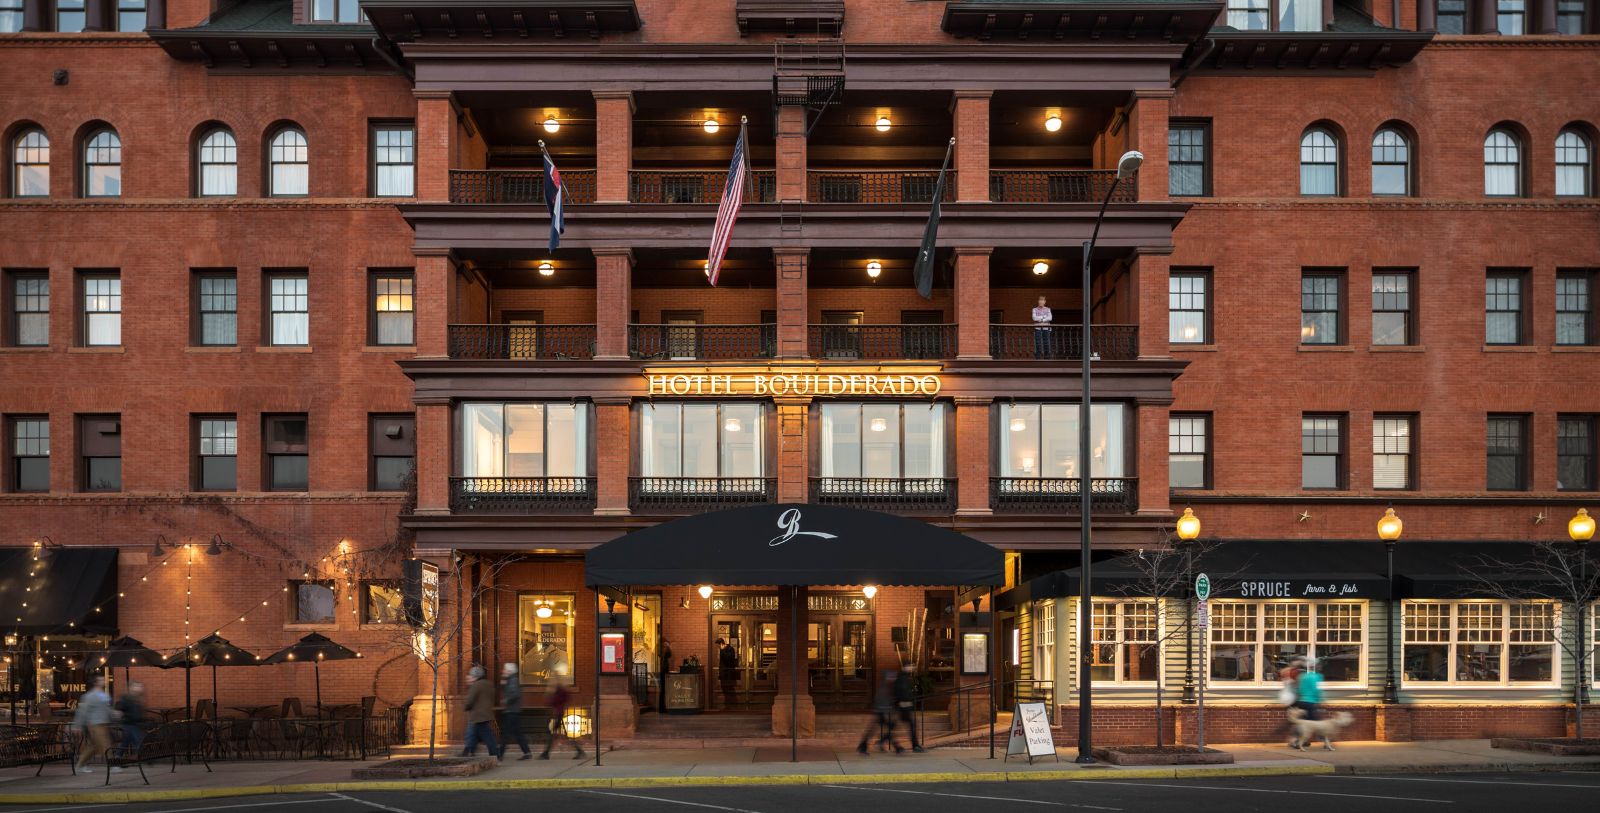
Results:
[517, 185]
[1059, 342]
[682, 495]
[521, 495]
[696, 186]
[912, 495]
[693, 342]
[916, 186]
[882, 341]
[540, 342]
[1058, 186]
[1058, 495]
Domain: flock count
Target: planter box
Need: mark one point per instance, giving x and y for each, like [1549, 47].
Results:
[1555, 746]
[413, 768]
[1164, 755]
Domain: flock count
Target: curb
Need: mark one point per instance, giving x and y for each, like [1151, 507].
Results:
[1470, 767]
[1083, 775]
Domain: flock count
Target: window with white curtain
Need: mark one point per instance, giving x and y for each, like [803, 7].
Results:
[1041, 441]
[1299, 15]
[289, 310]
[1391, 451]
[219, 164]
[1319, 163]
[1391, 163]
[290, 158]
[1502, 164]
[1044, 640]
[883, 441]
[1574, 164]
[525, 440]
[1250, 15]
[700, 440]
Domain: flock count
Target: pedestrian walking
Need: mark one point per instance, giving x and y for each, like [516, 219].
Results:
[1042, 317]
[905, 704]
[560, 695]
[661, 677]
[479, 707]
[728, 673]
[1309, 690]
[93, 718]
[1289, 691]
[883, 704]
[130, 711]
[511, 712]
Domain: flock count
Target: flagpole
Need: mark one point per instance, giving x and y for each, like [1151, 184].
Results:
[744, 155]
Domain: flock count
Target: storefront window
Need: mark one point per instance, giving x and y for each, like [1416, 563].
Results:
[1480, 642]
[313, 602]
[546, 628]
[883, 441]
[701, 440]
[382, 603]
[1041, 441]
[1126, 648]
[647, 634]
[538, 440]
[1044, 640]
[1252, 640]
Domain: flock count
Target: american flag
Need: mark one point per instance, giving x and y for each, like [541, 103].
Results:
[554, 192]
[728, 210]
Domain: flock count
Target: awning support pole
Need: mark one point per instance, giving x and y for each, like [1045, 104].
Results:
[794, 674]
[595, 723]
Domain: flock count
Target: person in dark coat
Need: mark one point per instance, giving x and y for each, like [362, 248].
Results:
[560, 695]
[883, 704]
[905, 704]
[728, 673]
[511, 712]
[479, 706]
[130, 710]
[661, 677]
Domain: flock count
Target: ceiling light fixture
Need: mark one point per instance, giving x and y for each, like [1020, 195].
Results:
[884, 124]
[546, 269]
[878, 425]
[1041, 268]
[551, 125]
[874, 268]
[711, 125]
[732, 425]
[1052, 123]
[1018, 424]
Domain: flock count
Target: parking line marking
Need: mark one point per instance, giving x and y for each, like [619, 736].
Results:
[238, 807]
[968, 796]
[1459, 781]
[370, 804]
[1271, 790]
[69, 807]
[667, 801]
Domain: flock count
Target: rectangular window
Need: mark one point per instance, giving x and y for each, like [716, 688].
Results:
[1127, 645]
[1321, 308]
[1480, 642]
[882, 441]
[525, 440]
[30, 454]
[289, 310]
[1575, 317]
[1503, 305]
[1250, 15]
[1044, 640]
[394, 160]
[10, 16]
[337, 11]
[1391, 308]
[393, 309]
[313, 602]
[1322, 451]
[28, 306]
[100, 452]
[285, 442]
[1391, 452]
[1189, 307]
[1575, 453]
[131, 15]
[382, 603]
[701, 441]
[1452, 17]
[71, 16]
[1188, 170]
[392, 440]
[1299, 15]
[548, 624]
[1252, 640]
[216, 453]
[102, 310]
[1512, 17]
[217, 309]
[1188, 450]
[1041, 441]
[1508, 453]
[1569, 17]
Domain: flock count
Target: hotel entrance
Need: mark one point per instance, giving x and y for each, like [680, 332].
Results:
[750, 627]
[839, 649]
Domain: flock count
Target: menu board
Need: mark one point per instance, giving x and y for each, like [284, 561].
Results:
[975, 653]
[683, 693]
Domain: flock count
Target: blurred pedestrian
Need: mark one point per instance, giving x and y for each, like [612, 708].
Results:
[1042, 317]
[131, 712]
[1310, 690]
[479, 707]
[511, 712]
[93, 718]
[905, 704]
[884, 705]
[728, 673]
[661, 677]
[560, 696]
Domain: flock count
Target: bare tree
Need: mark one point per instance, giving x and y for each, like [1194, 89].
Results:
[1554, 579]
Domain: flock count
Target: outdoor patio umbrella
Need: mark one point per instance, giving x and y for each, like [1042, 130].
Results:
[128, 652]
[314, 648]
[212, 651]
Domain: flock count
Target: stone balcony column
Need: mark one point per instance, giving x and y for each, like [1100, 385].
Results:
[613, 291]
[613, 147]
[972, 145]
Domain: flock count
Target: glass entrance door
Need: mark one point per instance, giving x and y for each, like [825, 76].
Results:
[839, 660]
[753, 680]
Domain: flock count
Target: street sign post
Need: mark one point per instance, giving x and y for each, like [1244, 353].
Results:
[1202, 591]
[1202, 587]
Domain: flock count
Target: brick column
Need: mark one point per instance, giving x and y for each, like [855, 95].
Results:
[783, 705]
[613, 148]
[791, 150]
[972, 145]
[1147, 133]
[436, 145]
[972, 456]
[972, 303]
[613, 456]
[793, 310]
[613, 289]
[96, 16]
[434, 451]
[1544, 17]
[1151, 457]
[1485, 16]
[1147, 278]
[436, 303]
[794, 470]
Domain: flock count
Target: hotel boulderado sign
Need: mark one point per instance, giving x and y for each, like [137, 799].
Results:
[804, 384]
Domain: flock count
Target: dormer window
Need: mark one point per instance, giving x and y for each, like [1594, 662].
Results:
[336, 11]
[1275, 15]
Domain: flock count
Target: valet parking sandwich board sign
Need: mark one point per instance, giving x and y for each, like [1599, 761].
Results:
[1030, 733]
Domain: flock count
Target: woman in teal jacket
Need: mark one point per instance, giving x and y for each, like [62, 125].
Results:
[1310, 691]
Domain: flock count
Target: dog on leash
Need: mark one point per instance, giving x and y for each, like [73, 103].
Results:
[1307, 730]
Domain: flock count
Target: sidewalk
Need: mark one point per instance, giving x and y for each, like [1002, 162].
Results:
[754, 765]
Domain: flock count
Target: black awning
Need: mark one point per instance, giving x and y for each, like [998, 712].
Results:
[64, 591]
[793, 545]
[1445, 569]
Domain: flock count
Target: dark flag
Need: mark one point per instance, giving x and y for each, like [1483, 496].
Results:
[923, 273]
[554, 195]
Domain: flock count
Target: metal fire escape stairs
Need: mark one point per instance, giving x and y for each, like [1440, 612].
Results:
[808, 73]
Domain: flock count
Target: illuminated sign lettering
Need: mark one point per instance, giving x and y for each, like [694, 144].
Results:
[794, 384]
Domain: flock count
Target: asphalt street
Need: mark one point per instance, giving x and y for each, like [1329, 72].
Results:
[1303, 794]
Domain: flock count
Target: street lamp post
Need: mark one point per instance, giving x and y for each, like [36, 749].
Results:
[1188, 531]
[1126, 167]
[1581, 529]
[1389, 528]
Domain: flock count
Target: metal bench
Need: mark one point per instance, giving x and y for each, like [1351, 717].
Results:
[27, 745]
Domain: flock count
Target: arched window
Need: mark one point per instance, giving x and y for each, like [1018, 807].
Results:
[30, 164]
[1574, 164]
[102, 165]
[1502, 164]
[1319, 163]
[290, 173]
[1391, 163]
[219, 164]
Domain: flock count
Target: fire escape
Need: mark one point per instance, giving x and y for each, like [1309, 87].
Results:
[807, 73]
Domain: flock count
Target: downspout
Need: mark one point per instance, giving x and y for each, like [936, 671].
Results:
[1206, 47]
[1394, 21]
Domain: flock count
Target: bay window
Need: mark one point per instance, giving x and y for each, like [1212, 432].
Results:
[1477, 642]
[702, 448]
[1126, 642]
[1252, 640]
[525, 446]
[876, 442]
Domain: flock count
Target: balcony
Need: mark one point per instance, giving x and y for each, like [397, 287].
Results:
[540, 342]
[882, 342]
[695, 186]
[830, 186]
[1052, 495]
[524, 186]
[688, 495]
[1063, 342]
[702, 342]
[522, 495]
[1058, 186]
[919, 495]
